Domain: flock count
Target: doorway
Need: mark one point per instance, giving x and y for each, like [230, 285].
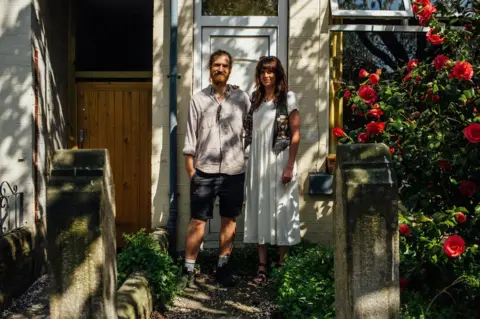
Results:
[252, 30]
[113, 52]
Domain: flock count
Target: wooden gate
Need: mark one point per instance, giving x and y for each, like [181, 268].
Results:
[117, 116]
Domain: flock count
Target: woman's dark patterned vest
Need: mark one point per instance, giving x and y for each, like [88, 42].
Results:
[281, 127]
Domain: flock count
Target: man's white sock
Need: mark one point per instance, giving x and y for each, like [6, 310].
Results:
[190, 265]
[223, 260]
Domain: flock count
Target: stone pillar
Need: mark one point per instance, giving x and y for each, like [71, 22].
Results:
[366, 234]
[81, 235]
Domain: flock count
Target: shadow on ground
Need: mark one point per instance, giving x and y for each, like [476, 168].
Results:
[209, 300]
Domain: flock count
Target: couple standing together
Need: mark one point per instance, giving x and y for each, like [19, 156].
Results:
[222, 122]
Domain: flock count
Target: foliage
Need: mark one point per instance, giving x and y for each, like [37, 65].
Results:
[414, 305]
[304, 284]
[143, 253]
[428, 113]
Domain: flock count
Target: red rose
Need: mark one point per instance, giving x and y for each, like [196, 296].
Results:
[467, 188]
[440, 61]
[404, 230]
[454, 246]
[412, 64]
[445, 165]
[423, 2]
[434, 38]
[375, 127]
[435, 98]
[367, 94]
[362, 137]
[379, 72]
[463, 71]
[363, 73]
[472, 133]
[392, 149]
[347, 95]
[403, 284]
[376, 113]
[374, 78]
[338, 132]
[407, 77]
[426, 12]
[460, 217]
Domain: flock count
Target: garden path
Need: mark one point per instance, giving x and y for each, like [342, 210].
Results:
[209, 300]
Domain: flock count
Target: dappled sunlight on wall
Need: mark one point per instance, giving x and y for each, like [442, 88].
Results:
[16, 100]
[160, 114]
[308, 78]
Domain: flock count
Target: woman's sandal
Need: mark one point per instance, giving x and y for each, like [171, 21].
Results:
[261, 277]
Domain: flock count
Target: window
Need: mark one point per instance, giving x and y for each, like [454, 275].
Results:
[371, 8]
[239, 8]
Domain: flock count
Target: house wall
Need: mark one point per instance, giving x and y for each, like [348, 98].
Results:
[16, 103]
[160, 113]
[308, 52]
[308, 65]
[50, 22]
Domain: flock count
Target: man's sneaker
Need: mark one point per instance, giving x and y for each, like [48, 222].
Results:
[187, 278]
[224, 276]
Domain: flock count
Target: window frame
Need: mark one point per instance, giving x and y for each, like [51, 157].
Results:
[372, 14]
[335, 110]
[226, 21]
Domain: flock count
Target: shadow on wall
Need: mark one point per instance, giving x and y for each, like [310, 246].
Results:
[22, 30]
[305, 63]
[160, 113]
[16, 99]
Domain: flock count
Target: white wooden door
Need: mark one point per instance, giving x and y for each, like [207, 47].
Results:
[246, 45]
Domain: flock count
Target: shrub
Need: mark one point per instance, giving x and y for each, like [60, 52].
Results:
[144, 253]
[305, 285]
[428, 113]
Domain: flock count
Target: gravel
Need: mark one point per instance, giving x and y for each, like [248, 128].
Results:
[209, 300]
[32, 304]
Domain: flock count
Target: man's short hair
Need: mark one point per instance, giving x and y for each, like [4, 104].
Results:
[218, 53]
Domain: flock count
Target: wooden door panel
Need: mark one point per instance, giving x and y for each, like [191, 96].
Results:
[117, 116]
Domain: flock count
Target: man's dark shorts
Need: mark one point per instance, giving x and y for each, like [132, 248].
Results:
[204, 188]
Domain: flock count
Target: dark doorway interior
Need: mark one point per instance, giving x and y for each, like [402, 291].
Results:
[114, 35]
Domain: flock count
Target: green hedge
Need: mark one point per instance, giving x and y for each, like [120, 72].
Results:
[305, 284]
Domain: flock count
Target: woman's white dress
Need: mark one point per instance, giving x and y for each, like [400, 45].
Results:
[272, 208]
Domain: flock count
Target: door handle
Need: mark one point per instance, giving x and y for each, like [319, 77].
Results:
[81, 137]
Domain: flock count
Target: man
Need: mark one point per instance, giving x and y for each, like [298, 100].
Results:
[215, 164]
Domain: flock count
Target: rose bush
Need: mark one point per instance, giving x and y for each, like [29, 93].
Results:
[427, 113]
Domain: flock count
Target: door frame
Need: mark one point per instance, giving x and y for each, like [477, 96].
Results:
[279, 22]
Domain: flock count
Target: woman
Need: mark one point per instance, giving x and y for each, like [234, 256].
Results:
[273, 133]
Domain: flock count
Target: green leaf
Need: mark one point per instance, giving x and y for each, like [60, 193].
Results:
[469, 93]
[453, 181]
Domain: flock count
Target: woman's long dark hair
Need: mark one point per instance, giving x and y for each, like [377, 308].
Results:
[281, 86]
